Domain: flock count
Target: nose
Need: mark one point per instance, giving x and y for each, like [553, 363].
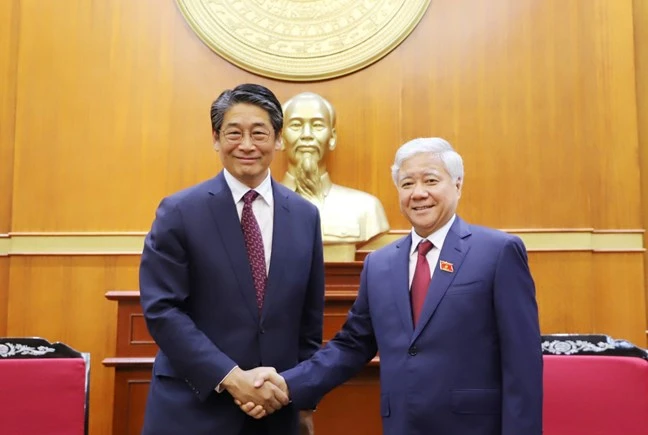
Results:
[246, 143]
[419, 191]
[307, 131]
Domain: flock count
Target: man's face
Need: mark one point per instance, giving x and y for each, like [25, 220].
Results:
[427, 194]
[307, 130]
[246, 143]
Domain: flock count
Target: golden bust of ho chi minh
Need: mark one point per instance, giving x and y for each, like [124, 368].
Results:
[349, 216]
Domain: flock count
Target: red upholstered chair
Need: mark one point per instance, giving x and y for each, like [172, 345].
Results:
[594, 385]
[43, 388]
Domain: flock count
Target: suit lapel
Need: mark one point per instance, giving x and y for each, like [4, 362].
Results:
[400, 276]
[229, 226]
[454, 251]
[281, 248]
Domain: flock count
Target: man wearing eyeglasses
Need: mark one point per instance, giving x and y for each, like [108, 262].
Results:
[231, 279]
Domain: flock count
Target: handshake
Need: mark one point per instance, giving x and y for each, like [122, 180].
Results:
[258, 392]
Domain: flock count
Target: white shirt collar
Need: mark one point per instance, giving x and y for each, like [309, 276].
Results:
[239, 189]
[437, 238]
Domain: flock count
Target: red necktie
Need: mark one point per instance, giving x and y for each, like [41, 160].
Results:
[421, 280]
[254, 246]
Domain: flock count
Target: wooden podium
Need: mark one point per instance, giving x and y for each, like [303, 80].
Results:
[351, 408]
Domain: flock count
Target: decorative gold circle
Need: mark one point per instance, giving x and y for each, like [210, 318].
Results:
[302, 39]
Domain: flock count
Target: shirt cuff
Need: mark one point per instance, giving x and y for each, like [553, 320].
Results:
[219, 389]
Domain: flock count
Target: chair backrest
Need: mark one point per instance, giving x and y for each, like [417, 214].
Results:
[590, 390]
[43, 388]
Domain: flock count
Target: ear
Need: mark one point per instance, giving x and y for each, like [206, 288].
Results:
[333, 139]
[216, 141]
[459, 185]
[279, 142]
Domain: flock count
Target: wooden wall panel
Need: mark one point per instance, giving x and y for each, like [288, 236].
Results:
[9, 17]
[4, 294]
[537, 95]
[564, 291]
[641, 65]
[62, 299]
[133, 391]
[614, 116]
[585, 292]
[618, 302]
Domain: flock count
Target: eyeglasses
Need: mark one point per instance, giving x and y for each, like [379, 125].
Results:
[257, 136]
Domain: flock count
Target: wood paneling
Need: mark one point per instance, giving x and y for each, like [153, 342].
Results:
[350, 408]
[9, 17]
[353, 407]
[133, 339]
[537, 95]
[613, 114]
[131, 389]
[584, 292]
[618, 302]
[641, 65]
[9, 13]
[62, 299]
[564, 291]
[4, 294]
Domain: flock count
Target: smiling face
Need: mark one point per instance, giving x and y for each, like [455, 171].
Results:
[427, 194]
[246, 143]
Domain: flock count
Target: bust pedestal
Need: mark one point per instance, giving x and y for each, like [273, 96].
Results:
[339, 252]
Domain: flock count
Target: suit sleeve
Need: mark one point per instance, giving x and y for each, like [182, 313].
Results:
[520, 342]
[310, 334]
[340, 359]
[164, 291]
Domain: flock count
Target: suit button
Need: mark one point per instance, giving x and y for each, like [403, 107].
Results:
[261, 331]
[412, 351]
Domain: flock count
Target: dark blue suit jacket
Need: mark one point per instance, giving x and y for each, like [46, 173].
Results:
[473, 364]
[198, 299]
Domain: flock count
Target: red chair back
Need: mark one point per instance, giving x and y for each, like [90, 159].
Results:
[41, 393]
[595, 395]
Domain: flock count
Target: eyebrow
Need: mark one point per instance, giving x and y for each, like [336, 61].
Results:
[425, 174]
[238, 124]
[301, 118]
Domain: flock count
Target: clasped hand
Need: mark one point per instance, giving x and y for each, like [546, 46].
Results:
[258, 392]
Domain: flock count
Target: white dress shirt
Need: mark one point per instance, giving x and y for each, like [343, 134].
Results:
[437, 238]
[262, 207]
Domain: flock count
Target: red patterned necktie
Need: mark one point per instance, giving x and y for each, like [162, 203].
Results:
[421, 280]
[254, 246]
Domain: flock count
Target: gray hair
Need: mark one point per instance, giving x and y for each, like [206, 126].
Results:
[435, 145]
[247, 93]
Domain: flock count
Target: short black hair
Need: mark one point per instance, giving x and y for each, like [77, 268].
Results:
[248, 93]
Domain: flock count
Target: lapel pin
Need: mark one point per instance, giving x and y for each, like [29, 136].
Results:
[445, 266]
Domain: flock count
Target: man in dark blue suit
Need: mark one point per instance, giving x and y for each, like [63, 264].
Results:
[451, 310]
[232, 278]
